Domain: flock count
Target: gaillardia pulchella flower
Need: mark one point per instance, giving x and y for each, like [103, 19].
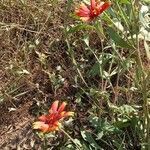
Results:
[88, 12]
[52, 121]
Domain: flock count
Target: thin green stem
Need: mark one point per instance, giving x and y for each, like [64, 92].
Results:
[75, 63]
[45, 143]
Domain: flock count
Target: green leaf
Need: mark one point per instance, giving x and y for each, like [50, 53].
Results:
[117, 39]
[122, 123]
[88, 137]
[100, 135]
[78, 142]
[123, 110]
[95, 121]
[95, 70]
[86, 40]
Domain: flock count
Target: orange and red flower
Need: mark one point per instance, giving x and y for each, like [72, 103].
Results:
[51, 121]
[89, 12]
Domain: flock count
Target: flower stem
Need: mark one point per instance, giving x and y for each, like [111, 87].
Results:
[45, 143]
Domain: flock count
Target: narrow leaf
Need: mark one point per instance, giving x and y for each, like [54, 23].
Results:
[117, 39]
[88, 137]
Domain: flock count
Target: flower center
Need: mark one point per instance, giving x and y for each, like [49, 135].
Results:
[95, 12]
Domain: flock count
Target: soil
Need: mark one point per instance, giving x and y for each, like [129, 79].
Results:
[16, 127]
[16, 117]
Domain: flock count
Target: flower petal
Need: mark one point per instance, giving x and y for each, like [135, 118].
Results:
[54, 107]
[62, 107]
[103, 7]
[93, 4]
[54, 127]
[69, 113]
[85, 19]
[66, 114]
[82, 11]
[41, 126]
[43, 118]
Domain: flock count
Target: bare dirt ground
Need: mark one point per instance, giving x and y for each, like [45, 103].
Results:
[19, 29]
[16, 127]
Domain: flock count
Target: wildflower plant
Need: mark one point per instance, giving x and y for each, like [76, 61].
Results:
[96, 54]
[119, 32]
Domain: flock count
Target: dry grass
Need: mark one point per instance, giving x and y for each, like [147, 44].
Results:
[32, 46]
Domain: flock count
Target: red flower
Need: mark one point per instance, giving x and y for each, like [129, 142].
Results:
[51, 121]
[90, 12]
